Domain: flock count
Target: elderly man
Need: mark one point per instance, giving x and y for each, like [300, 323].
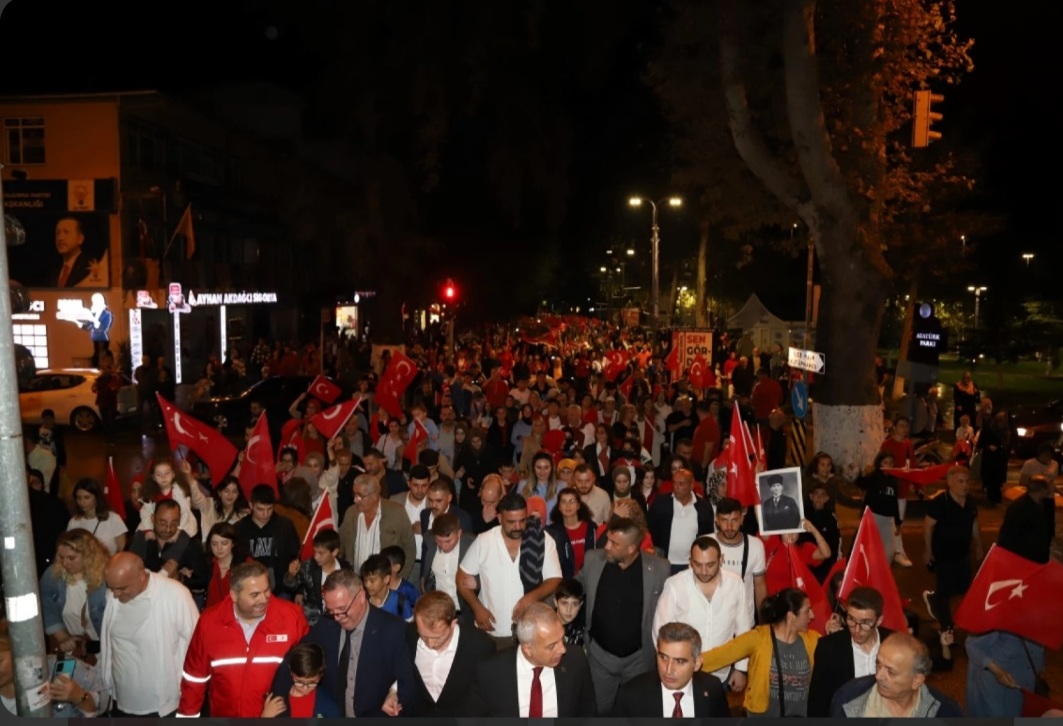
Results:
[237, 646]
[849, 653]
[678, 688]
[622, 584]
[147, 626]
[898, 687]
[678, 518]
[540, 678]
[372, 523]
[711, 599]
[365, 652]
[485, 516]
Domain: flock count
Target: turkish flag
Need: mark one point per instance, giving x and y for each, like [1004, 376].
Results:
[554, 440]
[388, 401]
[324, 389]
[399, 374]
[210, 445]
[921, 476]
[805, 581]
[330, 421]
[625, 387]
[1034, 706]
[868, 566]
[292, 438]
[112, 490]
[1017, 595]
[258, 467]
[701, 375]
[741, 482]
[323, 519]
[420, 433]
[671, 361]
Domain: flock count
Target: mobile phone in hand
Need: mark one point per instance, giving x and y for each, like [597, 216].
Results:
[63, 667]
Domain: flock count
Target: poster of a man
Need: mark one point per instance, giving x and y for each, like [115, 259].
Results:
[781, 502]
[74, 263]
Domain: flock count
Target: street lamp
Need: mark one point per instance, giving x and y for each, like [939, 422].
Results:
[977, 298]
[963, 243]
[655, 241]
[1027, 256]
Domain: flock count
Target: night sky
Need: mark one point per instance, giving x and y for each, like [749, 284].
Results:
[1005, 107]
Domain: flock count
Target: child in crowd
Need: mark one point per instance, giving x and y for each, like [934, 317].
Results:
[569, 603]
[964, 446]
[509, 475]
[376, 579]
[397, 557]
[304, 579]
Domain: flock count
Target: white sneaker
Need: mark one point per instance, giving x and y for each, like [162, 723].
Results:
[902, 559]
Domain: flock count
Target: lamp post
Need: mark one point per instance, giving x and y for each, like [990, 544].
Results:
[655, 241]
[977, 298]
[1027, 256]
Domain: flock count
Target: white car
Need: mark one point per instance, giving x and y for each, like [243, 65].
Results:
[68, 392]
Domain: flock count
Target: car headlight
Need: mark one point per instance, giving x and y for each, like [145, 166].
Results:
[1021, 431]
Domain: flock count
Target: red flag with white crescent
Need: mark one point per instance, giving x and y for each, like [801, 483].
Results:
[1017, 595]
[741, 479]
[324, 389]
[804, 580]
[323, 519]
[292, 438]
[332, 420]
[868, 566]
[210, 445]
[257, 466]
[420, 434]
[399, 374]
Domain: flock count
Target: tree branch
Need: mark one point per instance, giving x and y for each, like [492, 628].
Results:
[772, 174]
[807, 126]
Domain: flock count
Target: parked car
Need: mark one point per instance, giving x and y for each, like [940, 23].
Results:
[230, 413]
[1034, 426]
[68, 392]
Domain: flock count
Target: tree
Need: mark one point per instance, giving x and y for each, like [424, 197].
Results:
[817, 98]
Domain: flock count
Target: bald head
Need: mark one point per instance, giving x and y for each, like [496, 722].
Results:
[491, 489]
[126, 576]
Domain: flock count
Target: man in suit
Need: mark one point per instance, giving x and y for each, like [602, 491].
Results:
[69, 241]
[445, 547]
[850, 653]
[365, 651]
[677, 519]
[441, 501]
[394, 526]
[678, 688]
[445, 656]
[623, 585]
[539, 678]
[779, 510]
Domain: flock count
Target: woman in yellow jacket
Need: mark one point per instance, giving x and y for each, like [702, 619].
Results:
[785, 644]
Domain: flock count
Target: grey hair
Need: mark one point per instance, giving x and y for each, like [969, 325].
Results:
[536, 615]
[681, 633]
[369, 481]
[921, 661]
[245, 571]
[349, 580]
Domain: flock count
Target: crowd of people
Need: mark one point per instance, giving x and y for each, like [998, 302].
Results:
[542, 532]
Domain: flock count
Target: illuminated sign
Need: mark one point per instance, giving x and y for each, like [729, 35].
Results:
[230, 298]
[144, 300]
[176, 303]
[136, 340]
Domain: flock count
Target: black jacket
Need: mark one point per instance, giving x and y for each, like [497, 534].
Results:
[659, 519]
[834, 668]
[495, 688]
[474, 647]
[1028, 528]
[307, 582]
[641, 698]
[275, 545]
[187, 551]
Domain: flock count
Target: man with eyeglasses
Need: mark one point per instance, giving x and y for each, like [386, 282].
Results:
[848, 653]
[365, 652]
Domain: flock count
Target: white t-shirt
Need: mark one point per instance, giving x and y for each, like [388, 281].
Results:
[500, 583]
[132, 671]
[106, 531]
[77, 598]
[445, 569]
[756, 564]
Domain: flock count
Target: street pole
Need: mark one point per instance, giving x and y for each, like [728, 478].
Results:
[18, 559]
[808, 294]
[655, 293]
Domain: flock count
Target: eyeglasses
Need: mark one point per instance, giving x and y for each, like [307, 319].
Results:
[305, 685]
[862, 624]
[337, 614]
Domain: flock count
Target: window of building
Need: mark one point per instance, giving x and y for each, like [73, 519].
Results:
[25, 140]
[145, 146]
[35, 338]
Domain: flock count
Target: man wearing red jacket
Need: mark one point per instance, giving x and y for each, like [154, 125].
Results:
[237, 646]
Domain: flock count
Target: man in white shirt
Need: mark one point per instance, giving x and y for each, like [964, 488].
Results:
[710, 599]
[596, 498]
[147, 626]
[414, 502]
[445, 546]
[445, 656]
[506, 587]
[742, 554]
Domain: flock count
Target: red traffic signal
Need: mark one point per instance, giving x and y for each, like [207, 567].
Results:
[450, 291]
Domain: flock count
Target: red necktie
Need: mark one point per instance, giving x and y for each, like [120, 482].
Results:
[647, 435]
[677, 712]
[64, 275]
[535, 705]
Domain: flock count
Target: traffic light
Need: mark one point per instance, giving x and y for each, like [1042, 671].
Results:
[450, 291]
[923, 117]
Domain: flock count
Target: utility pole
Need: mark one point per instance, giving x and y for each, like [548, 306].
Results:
[809, 290]
[17, 556]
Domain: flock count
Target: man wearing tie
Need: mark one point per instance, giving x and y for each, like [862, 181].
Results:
[678, 688]
[539, 678]
[780, 511]
[69, 240]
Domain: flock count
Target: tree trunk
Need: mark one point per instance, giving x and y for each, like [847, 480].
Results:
[701, 308]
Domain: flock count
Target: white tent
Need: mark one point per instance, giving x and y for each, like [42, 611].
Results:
[765, 328]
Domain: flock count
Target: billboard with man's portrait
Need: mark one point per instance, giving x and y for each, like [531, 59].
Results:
[67, 226]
